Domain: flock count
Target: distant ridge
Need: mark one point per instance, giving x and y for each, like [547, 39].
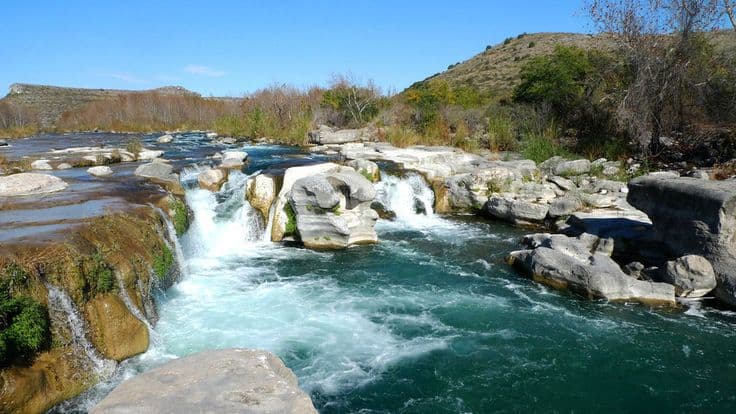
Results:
[50, 102]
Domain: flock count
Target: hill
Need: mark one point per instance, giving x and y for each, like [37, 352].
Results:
[496, 70]
[50, 102]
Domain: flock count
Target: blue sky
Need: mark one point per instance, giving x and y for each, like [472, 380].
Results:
[233, 47]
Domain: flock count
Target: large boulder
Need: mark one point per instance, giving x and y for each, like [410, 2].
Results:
[332, 210]
[147, 154]
[261, 191]
[583, 265]
[161, 173]
[692, 276]
[41, 165]
[115, 332]
[24, 184]
[212, 179]
[326, 135]
[233, 159]
[576, 167]
[516, 211]
[165, 139]
[223, 381]
[693, 216]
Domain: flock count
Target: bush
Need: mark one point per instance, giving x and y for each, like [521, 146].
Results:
[24, 328]
[102, 277]
[349, 104]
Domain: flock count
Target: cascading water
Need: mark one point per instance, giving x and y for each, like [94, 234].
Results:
[155, 340]
[173, 241]
[60, 302]
[409, 197]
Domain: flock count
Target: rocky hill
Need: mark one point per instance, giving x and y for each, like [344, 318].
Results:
[496, 69]
[50, 102]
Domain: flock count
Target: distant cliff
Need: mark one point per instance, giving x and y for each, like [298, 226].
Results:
[50, 102]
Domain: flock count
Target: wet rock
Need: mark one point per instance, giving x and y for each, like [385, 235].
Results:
[100, 171]
[326, 135]
[30, 184]
[115, 332]
[692, 275]
[147, 154]
[261, 192]
[225, 381]
[516, 211]
[576, 167]
[211, 135]
[575, 264]
[333, 209]
[383, 212]
[693, 216]
[367, 169]
[63, 166]
[3, 143]
[41, 165]
[233, 159]
[212, 179]
[165, 139]
[161, 173]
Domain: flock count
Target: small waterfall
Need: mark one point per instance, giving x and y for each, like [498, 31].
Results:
[173, 241]
[155, 340]
[271, 216]
[60, 302]
[408, 196]
[189, 173]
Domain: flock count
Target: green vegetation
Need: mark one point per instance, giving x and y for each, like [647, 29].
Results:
[24, 323]
[290, 228]
[101, 276]
[162, 262]
[180, 215]
[134, 146]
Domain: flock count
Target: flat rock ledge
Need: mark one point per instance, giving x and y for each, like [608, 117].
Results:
[222, 381]
[26, 184]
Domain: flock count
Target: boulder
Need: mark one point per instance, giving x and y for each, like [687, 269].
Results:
[333, 209]
[41, 165]
[211, 135]
[146, 154]
[222, 381]
[165, 139]
[367, 169]
[100, 171]
[24, 184]
[212, 179]
[562, 182]
[233, 159]
[693, 216]
[326, 135]
[582, 266]
[577, 167]
[161, 173]
[63, 166]
[261, 192]
[565, 205]
[692, 276]
[115, 332]
[516, 211]
[3, 143]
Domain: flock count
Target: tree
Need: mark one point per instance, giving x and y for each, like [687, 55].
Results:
[350, 103]
[728, 8]
[660, 42]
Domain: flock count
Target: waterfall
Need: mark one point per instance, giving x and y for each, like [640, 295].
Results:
[155, 340]
[60, 302]
[224, 222]
[408, 196]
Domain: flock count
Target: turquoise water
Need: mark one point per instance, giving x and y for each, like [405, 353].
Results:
[431, 320]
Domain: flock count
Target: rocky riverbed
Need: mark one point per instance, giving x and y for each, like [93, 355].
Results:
[360, 265]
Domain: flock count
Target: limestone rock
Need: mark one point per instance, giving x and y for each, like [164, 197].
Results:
[693, 216]
[562, 182]
[116, 333]
[333, 209]
[326, 135]
[692, 275]
[162, 173]
[261, 192]
[576, 264]
[223, 381]
[24, 184]
[147, 154]
[516, 211]
[212, 179]
[367, 169]
[565, 205]
[233, 159]
[165, 139]
[576, 167]
[100, 171]
[41, 165]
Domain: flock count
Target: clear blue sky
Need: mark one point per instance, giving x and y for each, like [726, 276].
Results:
[232, 47]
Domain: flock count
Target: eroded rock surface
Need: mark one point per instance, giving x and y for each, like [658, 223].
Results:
[224, 381]
[24, 184]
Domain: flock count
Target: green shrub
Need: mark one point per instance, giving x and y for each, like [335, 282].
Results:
[134, 146]
[24, 328]
[180, 217]
[102, 277]
[539, 148]
[163, 261]
[501, 134]
[290, 227]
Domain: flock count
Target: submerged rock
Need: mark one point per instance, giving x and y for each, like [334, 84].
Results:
[165, 139]
[693, 216]
[24, 184]
[224, 381]
[115, 331]
[100, 171]
[584, 265]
